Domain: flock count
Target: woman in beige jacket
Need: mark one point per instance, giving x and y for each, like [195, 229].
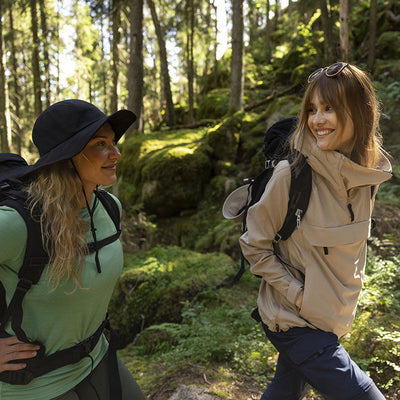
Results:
[309, 292]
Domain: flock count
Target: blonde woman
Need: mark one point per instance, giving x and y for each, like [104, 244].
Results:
[58, 349]
[309, 291]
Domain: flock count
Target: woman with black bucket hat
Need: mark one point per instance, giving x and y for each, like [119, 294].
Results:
[66, 309]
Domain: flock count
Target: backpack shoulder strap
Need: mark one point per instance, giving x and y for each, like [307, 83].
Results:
[112, 209]
[35, 260]
[299, 197]
[111, 206]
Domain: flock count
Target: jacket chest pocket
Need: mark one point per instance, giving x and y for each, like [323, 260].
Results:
[338, 235]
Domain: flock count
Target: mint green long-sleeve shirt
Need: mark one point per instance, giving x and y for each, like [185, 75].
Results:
[62, 317]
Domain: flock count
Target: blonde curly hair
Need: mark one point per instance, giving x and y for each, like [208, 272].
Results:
[55, 195]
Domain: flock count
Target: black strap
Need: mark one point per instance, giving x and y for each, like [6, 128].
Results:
[42, 364]
[35, 260]
[113, 211]
[111, 207]
[115, 381]
[299, 197]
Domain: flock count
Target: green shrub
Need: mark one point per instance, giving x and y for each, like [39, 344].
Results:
[155, 284]
[374, 341]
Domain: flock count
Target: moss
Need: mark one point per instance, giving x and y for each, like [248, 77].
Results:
[165, 174]
[155, 284]
[215, 104]
[224, 237]
[389, 45]
[223, 138]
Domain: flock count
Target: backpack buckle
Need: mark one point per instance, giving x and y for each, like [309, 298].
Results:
[271, 163]
[85, 347]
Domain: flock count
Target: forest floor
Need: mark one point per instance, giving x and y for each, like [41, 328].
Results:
[233, 387]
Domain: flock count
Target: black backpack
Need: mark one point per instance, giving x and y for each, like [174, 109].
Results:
[12, 167]
[276, 148]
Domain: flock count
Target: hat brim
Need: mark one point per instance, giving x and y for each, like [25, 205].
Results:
[119, 121]
[234, 204]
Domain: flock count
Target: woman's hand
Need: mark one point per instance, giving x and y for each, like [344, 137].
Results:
[13, 349]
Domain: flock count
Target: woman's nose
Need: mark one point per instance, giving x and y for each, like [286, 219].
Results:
[319, 117]
[115, 154]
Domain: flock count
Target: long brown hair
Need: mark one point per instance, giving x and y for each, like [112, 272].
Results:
[54, 194]
[351, 94]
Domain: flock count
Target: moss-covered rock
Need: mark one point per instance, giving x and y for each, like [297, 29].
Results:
[223, 138]
[165, 173]
[155, 284]
[215, 104]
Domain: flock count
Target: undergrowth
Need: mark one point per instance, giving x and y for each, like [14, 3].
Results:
[222, 333]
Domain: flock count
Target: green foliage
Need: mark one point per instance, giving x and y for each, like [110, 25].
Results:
[374, 341]
[217, 329]
[210, 333]
[389, 191]
[215, 104]
[155, 283]
[389, 44]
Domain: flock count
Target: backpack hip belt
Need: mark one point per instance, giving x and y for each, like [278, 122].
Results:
[41, 364]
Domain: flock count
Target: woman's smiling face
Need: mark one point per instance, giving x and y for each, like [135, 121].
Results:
[326, 128]
[96, 163]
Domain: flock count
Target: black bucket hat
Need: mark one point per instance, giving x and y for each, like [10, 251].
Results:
[64, 129]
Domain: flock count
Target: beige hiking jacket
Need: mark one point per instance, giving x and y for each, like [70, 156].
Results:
[328, 247]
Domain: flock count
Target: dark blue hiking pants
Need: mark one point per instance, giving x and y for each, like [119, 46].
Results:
[310, 357]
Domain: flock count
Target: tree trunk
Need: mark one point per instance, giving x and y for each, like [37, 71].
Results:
[329, 49]
[116, 38]
[165, 78]
[46, 60]
[237, 64]
[268, 44]
[135, 68]
[277, 11]
[189, 54]
[344, 29]
[5, 128]
[57, 62]
[17, 140]
[373, 11]
[35, 59]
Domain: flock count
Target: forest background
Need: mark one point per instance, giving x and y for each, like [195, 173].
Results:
[206, 79]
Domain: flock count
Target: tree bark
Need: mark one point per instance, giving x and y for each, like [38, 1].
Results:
[46, 59]
[268, 45]
[166, 81]
[189, 55]
[373, 12]
[329, 49]
[237, 64]
[16, 119]
[5, 128]
[116, 38]
[135, 68]
[344, 29]
[35, 60]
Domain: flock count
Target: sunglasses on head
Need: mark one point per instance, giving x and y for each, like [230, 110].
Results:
[330, 72]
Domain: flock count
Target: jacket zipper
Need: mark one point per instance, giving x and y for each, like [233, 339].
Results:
[350, 207]
[298, 217]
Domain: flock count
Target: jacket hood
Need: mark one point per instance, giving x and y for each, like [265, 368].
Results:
[340, 170]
